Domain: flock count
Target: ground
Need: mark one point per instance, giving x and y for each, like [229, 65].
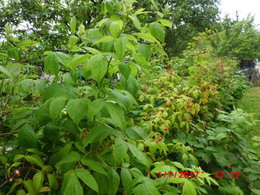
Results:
[251, 104]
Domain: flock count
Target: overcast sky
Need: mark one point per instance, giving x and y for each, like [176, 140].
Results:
[244, 7]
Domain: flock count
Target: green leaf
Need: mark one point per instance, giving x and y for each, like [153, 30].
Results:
[124, 69]
[146, 36]
[220, 158]
[98, 134]
[53, 183]
[221, 136]
[94, 165]
[164, 22]
[119, 150]
[35, 160]
[59, 90]
[38, 179]
[117, 114]
[114, 181]
[104, 40]
[120, 46]
[71, 157]
[95, 108]
[139, 155]
[29, 185]
[72, 41]
[147, 188]
[51, 64]
[157, 31]
[51, 133]
[14, 68]
[56, 106]
[87, 178]
[132, 85]
[5, 71]
[71, 184]
[76, 61]
[115, 29]
[73, 24]
[27, 137]
[20, 192]
[98, 65]
[145, 50]
[14, 53]
[126, 177]
[189, 188]
[77, 109]
[135, 21]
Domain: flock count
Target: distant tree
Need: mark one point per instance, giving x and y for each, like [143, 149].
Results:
[239, 39]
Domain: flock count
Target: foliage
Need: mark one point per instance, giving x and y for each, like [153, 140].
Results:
[239, 39]
[88, 128]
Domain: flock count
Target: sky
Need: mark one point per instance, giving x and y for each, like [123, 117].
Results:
[244, 7]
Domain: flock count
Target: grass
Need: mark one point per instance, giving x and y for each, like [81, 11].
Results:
[251, 104]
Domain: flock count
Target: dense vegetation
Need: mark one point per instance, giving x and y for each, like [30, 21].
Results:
[91, 102]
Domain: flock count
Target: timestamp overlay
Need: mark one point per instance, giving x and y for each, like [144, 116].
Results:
[195, 174]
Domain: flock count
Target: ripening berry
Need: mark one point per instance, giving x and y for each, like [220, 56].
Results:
[190, 106]
[166, 129]
[17, 172]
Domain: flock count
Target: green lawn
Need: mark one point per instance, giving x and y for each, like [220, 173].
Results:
[251, 104]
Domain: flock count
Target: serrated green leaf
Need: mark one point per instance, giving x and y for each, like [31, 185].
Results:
[38, 179]
[124, 69]
[71, 157]
[114, 181]
[117, 114]
[167, 23]
[14, 68]
[76, 61]
[145, 50]
[71, 184]
[14, 53]
[53, 183]
[5, 71]
[220, 136]
[132, 85]
[51, 64]
[27, 137]
[189, 188]
[98, 64]
[35, 160]
[77, 109]
[56, 106]
[29, 185]
[139, 155]
[73, 24]
[104, 40]
[120, 46]
[115, 29]
[146, 188]
[94, 165]
[98, 134]
[87, 178]
[119, 150]
[126, 177]
[157, 31]
[95, 108]
[135, 21]
[220, 158]
[59, 90]
[146, 36]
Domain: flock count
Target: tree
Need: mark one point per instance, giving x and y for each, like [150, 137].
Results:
[239, 39]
